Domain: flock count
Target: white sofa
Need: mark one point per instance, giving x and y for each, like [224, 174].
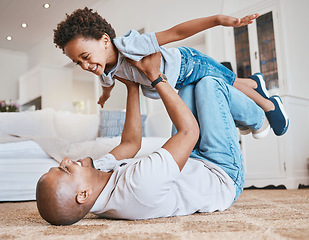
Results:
[49, 135]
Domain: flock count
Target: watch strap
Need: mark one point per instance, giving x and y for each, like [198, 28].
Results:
[159, 79]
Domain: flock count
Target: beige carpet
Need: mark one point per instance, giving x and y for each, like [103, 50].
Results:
[257, 214]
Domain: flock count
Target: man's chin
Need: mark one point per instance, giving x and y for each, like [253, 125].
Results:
[87, 162]
[91, 162]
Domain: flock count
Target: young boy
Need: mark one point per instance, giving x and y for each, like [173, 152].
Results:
[87, 39]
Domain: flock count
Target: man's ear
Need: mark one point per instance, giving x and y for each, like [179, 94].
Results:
[83, 196]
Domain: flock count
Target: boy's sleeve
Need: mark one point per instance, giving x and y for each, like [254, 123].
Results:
[106, 163]
[106, 81]
[135, 46]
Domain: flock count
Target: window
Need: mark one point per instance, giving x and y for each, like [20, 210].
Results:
[267, 50]
[263, 35]
[242, 52]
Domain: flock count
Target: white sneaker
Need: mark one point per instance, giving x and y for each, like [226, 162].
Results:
[263, 131]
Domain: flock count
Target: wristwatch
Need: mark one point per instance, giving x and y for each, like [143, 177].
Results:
[161, 78]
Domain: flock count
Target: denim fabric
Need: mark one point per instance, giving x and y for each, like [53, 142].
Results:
[216, 105]
[196, 65]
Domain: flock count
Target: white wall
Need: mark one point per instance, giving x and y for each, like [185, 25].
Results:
[52, 83]
[296, 38]
[154, 15]
[82, 95]
[47, 53]
[12, 65]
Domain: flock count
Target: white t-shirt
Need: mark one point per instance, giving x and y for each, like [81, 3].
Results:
[153, 186]
[136, 46]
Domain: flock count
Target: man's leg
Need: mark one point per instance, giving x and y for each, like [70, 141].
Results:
[217, 105]
[188, 96]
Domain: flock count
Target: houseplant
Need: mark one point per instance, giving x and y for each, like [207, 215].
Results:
[8, 107]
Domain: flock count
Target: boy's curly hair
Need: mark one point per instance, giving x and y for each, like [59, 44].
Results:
[82, 22]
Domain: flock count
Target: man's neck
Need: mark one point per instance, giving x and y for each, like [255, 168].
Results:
[99, 187]
[103, 180]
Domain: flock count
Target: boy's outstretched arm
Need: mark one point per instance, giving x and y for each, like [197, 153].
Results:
[181, 144]
[189, 28]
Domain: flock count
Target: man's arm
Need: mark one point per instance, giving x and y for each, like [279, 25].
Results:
[181, 144]
[131, 137]
[189, 28]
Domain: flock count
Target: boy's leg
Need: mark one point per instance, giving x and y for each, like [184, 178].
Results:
[217, 105]
[196, 65]
[255, 88]
[264, 103]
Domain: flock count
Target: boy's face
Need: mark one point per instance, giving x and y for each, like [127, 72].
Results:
[90, 54]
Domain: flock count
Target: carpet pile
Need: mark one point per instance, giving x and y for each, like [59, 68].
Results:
[257, 214]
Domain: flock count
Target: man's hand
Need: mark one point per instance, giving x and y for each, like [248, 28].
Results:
[126, 82]
[228, 21]
[149, 65]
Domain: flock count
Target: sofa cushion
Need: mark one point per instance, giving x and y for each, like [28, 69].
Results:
[48, 123]
[76, 127]
[112, 123]
[158, 124]
[29, 123]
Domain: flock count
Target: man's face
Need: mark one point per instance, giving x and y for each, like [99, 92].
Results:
[90, 54]
[70, 173]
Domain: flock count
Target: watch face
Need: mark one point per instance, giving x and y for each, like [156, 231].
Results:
[164, 77]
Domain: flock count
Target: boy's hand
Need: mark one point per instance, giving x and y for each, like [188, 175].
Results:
[106, 93]
[103, 98]
[228, 21]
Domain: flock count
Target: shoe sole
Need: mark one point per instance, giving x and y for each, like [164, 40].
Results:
[262, 134]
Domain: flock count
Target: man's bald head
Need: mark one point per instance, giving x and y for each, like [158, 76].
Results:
[65, 194]
[56, 202]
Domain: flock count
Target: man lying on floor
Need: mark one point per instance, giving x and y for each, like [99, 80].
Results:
[199, 169]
